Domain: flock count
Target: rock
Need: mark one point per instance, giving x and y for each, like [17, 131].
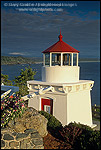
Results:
[14, 133]
[2, 143]
[19, 127]
[29, 146]
[30, 139]
[11, 123]
[26, 140]
[37, 142]
[21, 135]
[39, 147]
[13, 144]
[30, 131]
[37, 122]
[24, 144]
[8, 137]
[30, 119]
[35, 135]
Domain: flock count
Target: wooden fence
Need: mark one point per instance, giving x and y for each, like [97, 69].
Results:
[96, 112]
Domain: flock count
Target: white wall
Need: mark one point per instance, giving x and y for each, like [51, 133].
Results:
[79, 107]
[34, 102]
[60, 74]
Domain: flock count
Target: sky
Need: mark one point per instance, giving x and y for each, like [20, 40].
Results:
[30, 27]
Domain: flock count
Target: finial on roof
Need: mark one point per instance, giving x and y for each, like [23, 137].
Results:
[60, 36]
[60, 31]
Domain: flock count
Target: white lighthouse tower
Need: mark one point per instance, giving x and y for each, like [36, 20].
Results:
[60, 92]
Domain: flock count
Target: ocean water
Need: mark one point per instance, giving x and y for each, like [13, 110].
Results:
[88, 71]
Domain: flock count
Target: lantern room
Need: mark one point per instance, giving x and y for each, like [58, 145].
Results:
[60, 63]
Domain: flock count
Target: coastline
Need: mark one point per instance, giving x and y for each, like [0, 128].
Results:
[14, 60]
[89, 61]
[42, 62]
[23, 63]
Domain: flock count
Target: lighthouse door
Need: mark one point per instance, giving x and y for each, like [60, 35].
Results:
[47, 105]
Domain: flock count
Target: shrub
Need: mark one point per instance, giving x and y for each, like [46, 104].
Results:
[53, 123]
[70, 133]
[80, 136]
[81, 126]
[88, 140]
[11, 107]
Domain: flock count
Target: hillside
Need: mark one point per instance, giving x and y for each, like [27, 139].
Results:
[9, 60]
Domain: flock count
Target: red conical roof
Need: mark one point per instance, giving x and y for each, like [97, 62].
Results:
[60, 46]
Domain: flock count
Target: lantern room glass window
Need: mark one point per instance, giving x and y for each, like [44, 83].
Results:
[60, 59]
[66, 59]
[74, 59]
[47, 59]
[56, 59]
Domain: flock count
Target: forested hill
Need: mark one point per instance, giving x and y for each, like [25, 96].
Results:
[7, 60]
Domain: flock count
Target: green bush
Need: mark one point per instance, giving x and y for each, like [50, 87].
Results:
[53, 123]
[88, 140]
[81, 126]
[69, 134]
[80, 136]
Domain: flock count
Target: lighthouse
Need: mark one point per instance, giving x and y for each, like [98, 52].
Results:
[61, 92]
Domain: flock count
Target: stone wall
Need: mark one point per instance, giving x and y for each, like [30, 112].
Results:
[25, 132]
[30, 139]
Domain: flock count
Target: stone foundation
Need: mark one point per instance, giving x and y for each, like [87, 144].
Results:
[25, 132]
[29, 139]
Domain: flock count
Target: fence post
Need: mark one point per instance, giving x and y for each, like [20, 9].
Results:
[95, 107]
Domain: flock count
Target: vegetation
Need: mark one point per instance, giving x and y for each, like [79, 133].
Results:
[11, 107]
[8, 60]
[88, 139]
[69, 134]
[4, 80]
[96, 113]
[80, 137]
[21, 81]
[53, 123]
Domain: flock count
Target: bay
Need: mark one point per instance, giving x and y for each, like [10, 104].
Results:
[88, 71]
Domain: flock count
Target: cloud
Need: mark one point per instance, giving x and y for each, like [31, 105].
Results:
[16, 53]
[30, 34]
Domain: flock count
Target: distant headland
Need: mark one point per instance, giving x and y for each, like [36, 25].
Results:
[13, 60]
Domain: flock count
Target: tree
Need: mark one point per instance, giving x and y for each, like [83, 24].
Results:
[4, 80]
[21, 81]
